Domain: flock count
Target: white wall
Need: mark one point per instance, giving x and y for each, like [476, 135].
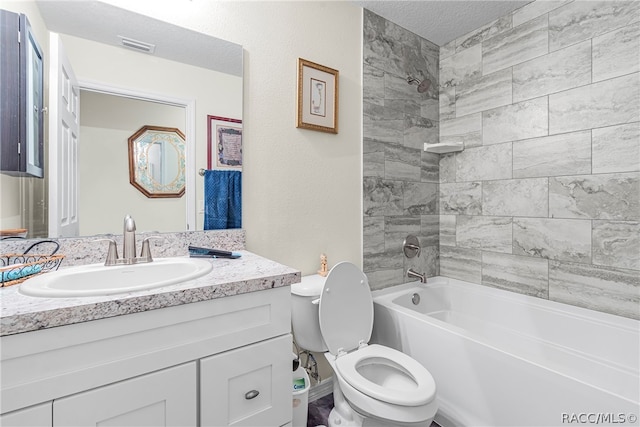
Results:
[302, 189]
[10, 212]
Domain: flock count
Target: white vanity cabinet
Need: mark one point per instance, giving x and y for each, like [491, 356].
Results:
[149, 368]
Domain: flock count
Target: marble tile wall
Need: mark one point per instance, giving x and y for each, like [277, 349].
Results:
[545, 198]
[400, 184]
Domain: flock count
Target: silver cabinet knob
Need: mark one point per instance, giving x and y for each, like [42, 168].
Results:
[251, 394]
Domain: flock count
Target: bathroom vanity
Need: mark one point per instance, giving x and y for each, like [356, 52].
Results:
[213, 351]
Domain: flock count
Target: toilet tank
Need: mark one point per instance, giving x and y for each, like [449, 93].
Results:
[304, 314]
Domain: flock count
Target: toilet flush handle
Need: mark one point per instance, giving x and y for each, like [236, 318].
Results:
[317, 300]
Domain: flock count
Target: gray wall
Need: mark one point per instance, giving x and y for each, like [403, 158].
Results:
[400, 179]
[544, 200]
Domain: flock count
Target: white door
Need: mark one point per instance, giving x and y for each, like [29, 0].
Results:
[64, 130]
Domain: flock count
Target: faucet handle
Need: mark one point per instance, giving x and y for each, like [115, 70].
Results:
[112, 252]
[145, 253]
[411, 246]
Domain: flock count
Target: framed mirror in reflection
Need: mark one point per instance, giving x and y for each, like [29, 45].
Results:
[157, 161]
[203, 85]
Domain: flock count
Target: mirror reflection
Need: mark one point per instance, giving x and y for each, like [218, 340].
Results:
[105, 194]
[202, 84]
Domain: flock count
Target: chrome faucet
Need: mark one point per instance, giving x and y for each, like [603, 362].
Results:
[416, 275]
[128, 247]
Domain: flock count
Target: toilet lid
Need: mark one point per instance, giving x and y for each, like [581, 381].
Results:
[346, 308]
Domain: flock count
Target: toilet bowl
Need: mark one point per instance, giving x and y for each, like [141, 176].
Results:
[385, 384]
[373, 384]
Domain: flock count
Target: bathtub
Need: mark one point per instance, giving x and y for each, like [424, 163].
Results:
[504, 359]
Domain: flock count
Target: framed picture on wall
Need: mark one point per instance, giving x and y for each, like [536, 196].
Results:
[317, 97]
[224, 142]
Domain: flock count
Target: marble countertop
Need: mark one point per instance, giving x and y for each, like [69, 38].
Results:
[20, 313]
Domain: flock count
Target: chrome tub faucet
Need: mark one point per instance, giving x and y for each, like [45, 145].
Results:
[415, 275]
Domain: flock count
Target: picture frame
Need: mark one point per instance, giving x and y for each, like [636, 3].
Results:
[317, 97]
[224, 142]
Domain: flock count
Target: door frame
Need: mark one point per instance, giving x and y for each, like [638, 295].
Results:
[190, 141]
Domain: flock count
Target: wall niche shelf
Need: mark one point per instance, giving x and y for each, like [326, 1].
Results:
[444, 147]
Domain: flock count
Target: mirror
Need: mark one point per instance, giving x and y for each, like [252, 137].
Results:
[211, 85]
[157, 161]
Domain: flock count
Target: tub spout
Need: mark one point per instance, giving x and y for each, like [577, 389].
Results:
[415, 275]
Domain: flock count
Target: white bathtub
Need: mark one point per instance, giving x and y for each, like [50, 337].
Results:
[505, 359]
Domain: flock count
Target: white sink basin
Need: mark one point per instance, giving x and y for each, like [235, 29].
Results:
[97, 280]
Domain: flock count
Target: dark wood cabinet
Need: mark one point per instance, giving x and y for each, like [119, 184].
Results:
[21, 98]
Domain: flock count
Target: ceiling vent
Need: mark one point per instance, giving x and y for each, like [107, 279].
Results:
[137, 45]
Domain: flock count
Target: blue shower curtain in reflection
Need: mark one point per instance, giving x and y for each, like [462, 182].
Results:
[222, 199]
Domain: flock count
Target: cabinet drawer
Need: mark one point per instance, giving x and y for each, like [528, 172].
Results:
[248, 386]
[166, 398]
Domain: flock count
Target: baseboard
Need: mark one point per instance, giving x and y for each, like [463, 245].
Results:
[321, 390]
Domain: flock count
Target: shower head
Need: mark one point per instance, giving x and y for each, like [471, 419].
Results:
[423, 85]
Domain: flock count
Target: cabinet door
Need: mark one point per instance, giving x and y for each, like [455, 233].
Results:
[162, 398]
[10, 118]
[38, 415]
[21, 97]
[249, 386]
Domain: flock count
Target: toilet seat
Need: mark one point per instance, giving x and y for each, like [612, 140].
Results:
[413, 385]
[370, 407]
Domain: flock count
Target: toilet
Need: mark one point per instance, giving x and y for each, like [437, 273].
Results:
[373, 384]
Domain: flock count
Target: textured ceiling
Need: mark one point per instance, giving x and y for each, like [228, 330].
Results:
[441, 21]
